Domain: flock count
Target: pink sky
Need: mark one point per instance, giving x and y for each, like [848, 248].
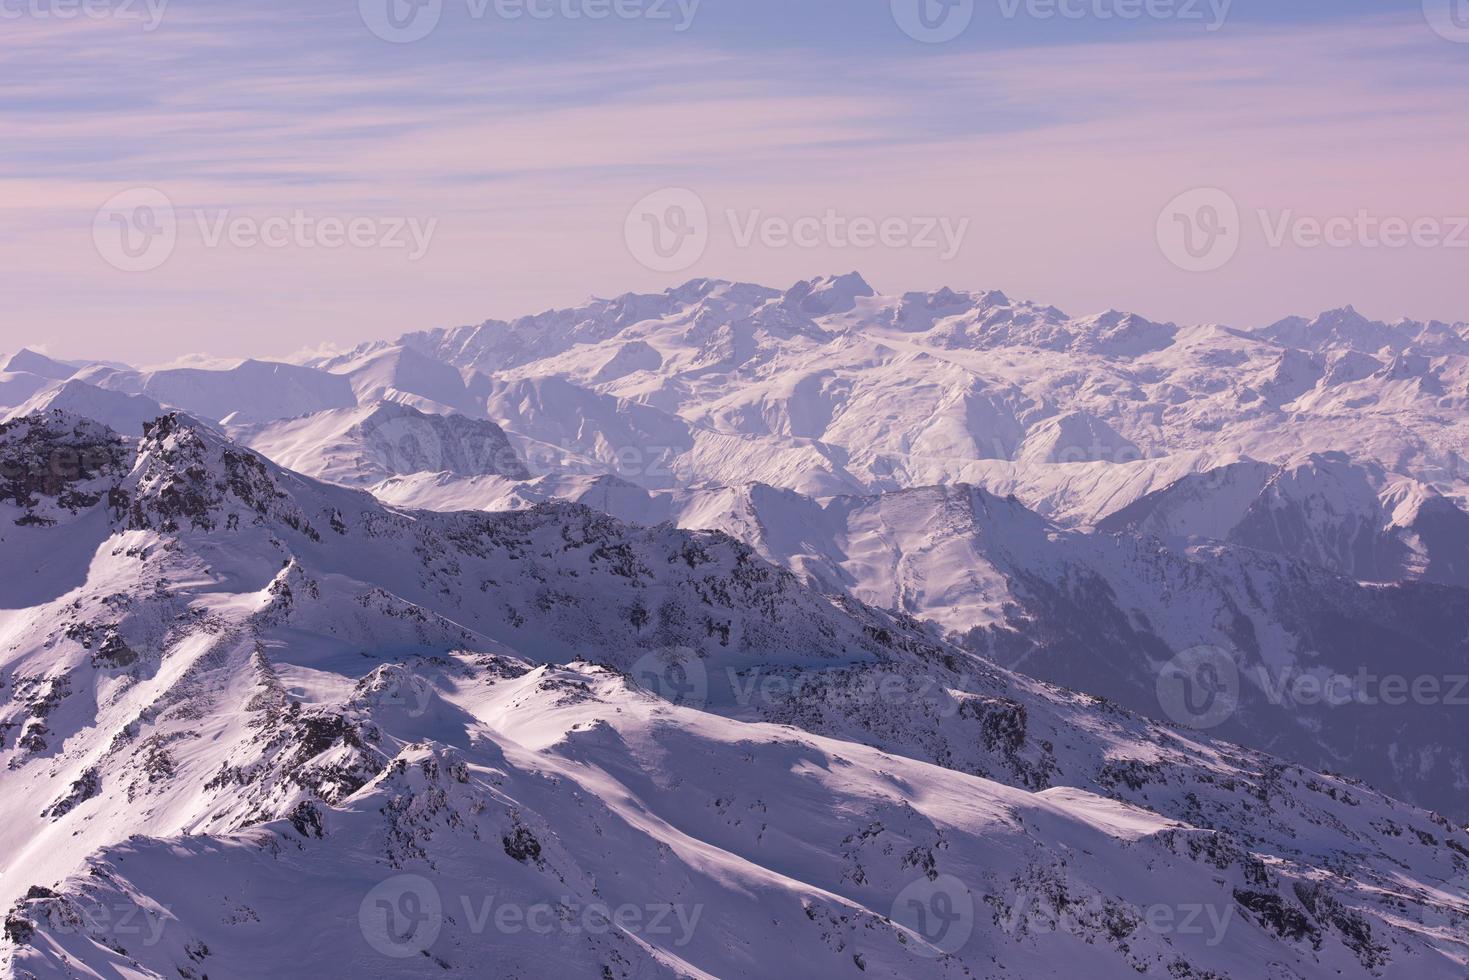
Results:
[1061, 157]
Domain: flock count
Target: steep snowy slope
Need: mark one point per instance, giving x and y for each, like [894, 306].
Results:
[17, 387]
[770, 723]
[1312, 656]
[30, 362]
[363, 446]
[276, 725]
[1323, 509]
[403, 375]
[1312, 659]
[252, 391]
[123, 413]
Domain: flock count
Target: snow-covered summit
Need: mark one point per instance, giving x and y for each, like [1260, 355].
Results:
[270, 705]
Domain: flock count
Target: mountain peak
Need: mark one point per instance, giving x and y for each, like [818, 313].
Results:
[190, 477]
[27, 361]
[828, 294]
[1341, 315]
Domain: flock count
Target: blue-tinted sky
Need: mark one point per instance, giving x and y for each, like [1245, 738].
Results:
[517, 146]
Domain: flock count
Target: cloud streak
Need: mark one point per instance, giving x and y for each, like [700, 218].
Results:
[1060, 155]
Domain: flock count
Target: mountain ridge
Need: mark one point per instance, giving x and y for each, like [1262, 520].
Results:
[244, 673]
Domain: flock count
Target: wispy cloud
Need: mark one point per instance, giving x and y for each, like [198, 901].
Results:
[1060, 155]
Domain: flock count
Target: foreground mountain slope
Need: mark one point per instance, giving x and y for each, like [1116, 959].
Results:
[716, 848]
[1310, 658]
[297, 696]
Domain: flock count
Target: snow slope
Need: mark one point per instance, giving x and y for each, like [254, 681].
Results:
[714, 613]
[121, 412]
[277, 726]
[369, 444]
[252, 391]
[1323, 509]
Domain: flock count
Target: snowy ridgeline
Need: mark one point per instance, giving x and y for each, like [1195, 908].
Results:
[692, 634]
[830, 389]
[257, 724]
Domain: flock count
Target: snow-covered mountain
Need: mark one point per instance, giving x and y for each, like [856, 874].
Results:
[27, 373]
[1324, 509]
[32, 362]
[252, 391]
[714, 612]
[1107, 612]
[830, 388]
[405, 376]
[119, 411]
[364, 446]
[257, 722]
